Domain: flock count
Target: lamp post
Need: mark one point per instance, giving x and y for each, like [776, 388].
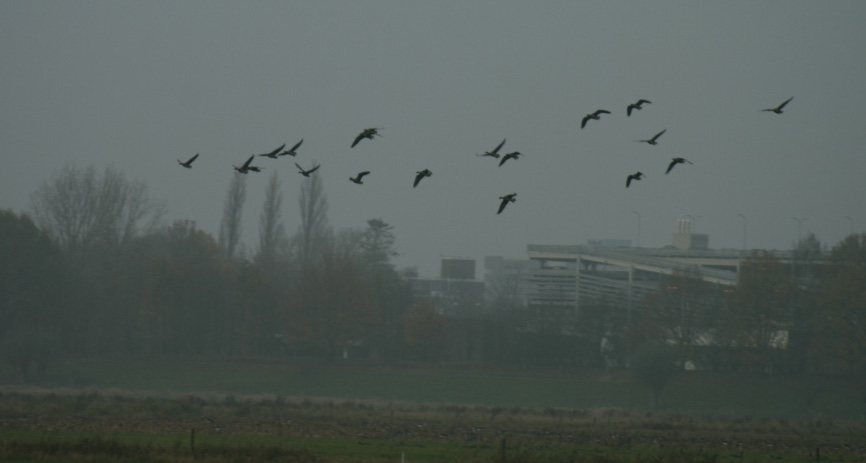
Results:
[744, 229]
[638, 227]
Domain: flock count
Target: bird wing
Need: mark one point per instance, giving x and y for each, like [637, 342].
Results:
[498, 147]
[190, 160]
[274, 152]
[418, 177]
[642, 101]
[658, 135]
[629, 108]
[503, 203]
[628, 180]
[783, 104]
[602, 111]
[583, 122]
[359, 138]
[314, 169]
[299, 167]
[504, 158]
[362, 174]
[246, 165]
[297, 145]
[672, 164]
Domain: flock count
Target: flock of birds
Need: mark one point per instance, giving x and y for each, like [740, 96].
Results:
[371, 133]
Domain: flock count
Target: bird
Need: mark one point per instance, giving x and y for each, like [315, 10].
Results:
[512, 155]
[357, 178]
[421, 174]
[255, 168]
[594, 116]
[509, 198]
[292, 151]
[495, 152]
[306, 173]
[676, 161]
[245, 167]
[778, 109]
[635, 176]
[637, 105]
[366, 133]
[273, 154]
[188, 163]
[653, 140]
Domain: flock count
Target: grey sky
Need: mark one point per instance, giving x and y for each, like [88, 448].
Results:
[141, 84]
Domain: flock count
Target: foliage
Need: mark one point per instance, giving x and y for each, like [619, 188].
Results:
[425, 331]
[233, 207]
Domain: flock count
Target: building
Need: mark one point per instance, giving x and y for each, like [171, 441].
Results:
[456, 291]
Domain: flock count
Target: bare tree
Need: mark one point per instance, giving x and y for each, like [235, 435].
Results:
[80, 208]
[272, 234]
[315, 231]
[230, 227]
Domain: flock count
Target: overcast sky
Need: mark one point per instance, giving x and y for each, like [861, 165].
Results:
[139, 85]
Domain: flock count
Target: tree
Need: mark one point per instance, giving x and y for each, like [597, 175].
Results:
[80, 209]
[230, 227]
[841, 315]
[425, 332]
[314, 231]
[654, 365]
[30, 277]
[272, 234]
[759, 310]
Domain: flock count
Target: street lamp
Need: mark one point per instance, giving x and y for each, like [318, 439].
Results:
[638, 227]
[744, 229]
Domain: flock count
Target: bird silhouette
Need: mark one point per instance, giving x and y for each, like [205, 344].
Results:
[245, 167]
[654, 139]
[509, 198]
[635, 176]
[676, 161]
[778, 109]
[595, 116]
[494, 153]
[188, 163]
[366, 133]
[512, 155]
[306, 173]
[273, 154]
[420, 175]
[357, 178]
[637, 105]
[292, 151]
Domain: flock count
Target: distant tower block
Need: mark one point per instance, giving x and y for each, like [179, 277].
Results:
[455, 268]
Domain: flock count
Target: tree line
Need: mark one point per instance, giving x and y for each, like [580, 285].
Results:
[92, 268]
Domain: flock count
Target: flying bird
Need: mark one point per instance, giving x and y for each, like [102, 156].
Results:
[495, 152]
[654, 139]
[635, 176]
[778, 109]
[292, 151]
[357, 178]
[595, 116]
[512, 155]
[421, 174]
[273, 154]
[366, 133]
[188, 163]
[637, 105]
[245, 167]
[509, 198]
[676, 161]
[306, 173]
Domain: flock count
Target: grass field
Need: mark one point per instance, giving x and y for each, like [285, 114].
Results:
[144, 409]
[689, 392]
